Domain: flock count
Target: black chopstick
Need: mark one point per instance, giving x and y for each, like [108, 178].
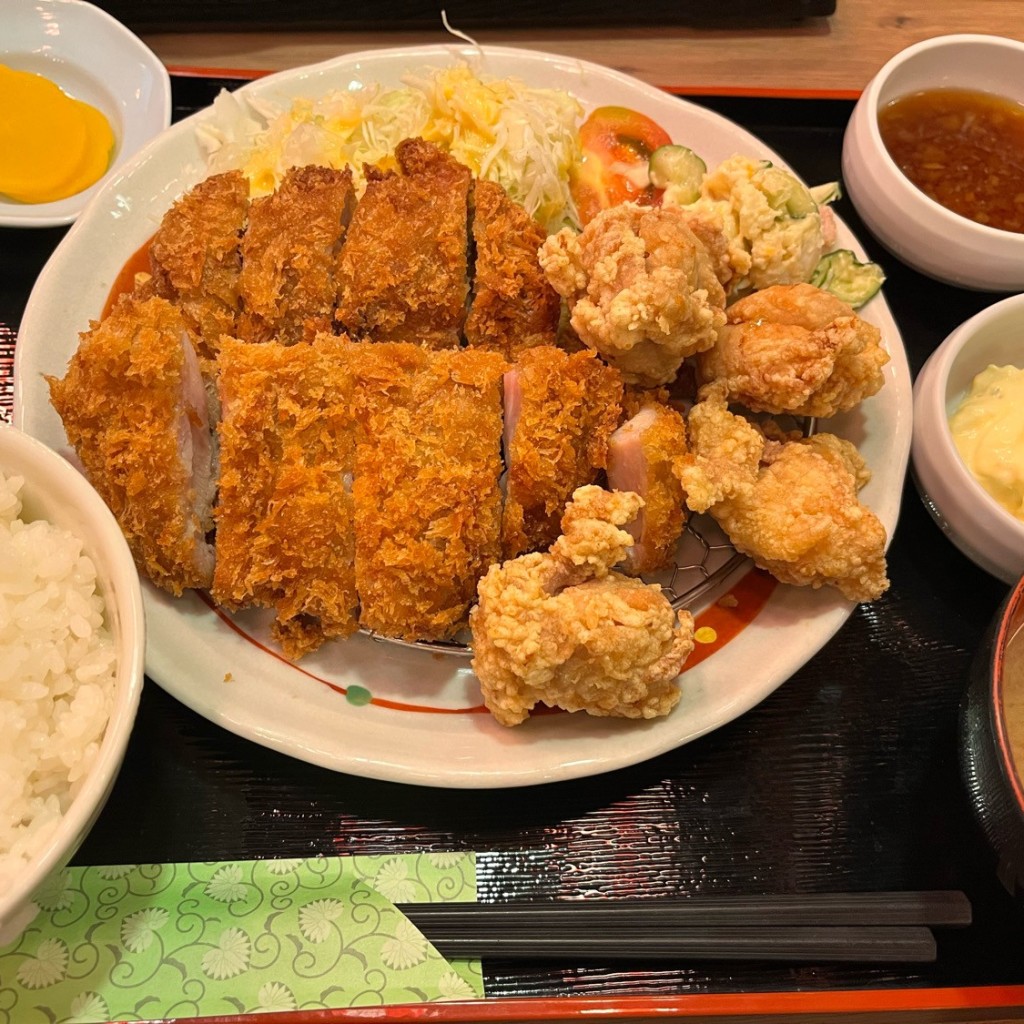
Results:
[851, 944]
[931, 909]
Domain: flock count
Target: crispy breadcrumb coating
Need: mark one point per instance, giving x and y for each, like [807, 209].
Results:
[642, 456]
[513, 307]
[641, 287]
[285, 536]
[404, 265]
[427, 496]
[196, 260]
[795, 349]
[789, 502]
[560, 411]
[563, 630]
[134, 409]
[290, 254]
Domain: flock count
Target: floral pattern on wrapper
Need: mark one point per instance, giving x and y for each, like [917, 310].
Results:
[148, 941]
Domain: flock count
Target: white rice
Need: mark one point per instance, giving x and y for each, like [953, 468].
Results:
[57, 667]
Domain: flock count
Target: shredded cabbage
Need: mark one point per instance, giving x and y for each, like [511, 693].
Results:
[525, 139]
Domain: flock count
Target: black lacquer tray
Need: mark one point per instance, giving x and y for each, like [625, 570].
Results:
[845, 778]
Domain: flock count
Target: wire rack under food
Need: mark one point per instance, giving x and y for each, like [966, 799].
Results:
[704, 561]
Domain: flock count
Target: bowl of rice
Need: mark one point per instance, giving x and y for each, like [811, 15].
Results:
[72, 638]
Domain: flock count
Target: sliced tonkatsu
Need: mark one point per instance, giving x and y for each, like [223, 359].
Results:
[135, 410]
[403, 272]
[285, 537]
[427, 495]
[195, 256]
[642, 456]
[290, 253]
[560, 411]
[512, 306]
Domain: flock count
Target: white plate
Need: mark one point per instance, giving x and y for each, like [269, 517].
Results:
[94, 58]
[210, 666]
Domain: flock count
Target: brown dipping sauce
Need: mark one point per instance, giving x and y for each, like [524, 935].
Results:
[964, 149]
[138, 263]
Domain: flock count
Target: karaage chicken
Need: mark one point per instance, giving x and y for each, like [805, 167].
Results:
[787, 501]
[641, 287]
[795, 349]
[560, 628]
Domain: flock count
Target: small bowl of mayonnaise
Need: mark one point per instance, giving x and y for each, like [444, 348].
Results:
[968, 443]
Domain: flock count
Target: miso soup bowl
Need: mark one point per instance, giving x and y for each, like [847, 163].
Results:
[913, 227]
[992, 741]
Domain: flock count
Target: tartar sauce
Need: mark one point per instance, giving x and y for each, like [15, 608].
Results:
[51, 146]
[988, 431]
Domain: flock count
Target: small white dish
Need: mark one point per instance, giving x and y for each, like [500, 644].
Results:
[94, 58]
[54, 490]
[973, 520]
[914, 227]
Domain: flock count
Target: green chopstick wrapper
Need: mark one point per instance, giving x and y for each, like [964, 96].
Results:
[143, 942]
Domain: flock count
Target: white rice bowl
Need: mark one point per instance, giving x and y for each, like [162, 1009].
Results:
[56, 677]
[71, 646]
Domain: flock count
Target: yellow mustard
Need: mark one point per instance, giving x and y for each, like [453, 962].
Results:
[51, 146]
[988, 431]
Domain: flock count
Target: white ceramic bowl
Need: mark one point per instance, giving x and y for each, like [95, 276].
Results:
[56, 491]
[983, 530]
[94, 58]
[915, 228]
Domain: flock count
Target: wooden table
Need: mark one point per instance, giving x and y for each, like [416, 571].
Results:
[835, 54]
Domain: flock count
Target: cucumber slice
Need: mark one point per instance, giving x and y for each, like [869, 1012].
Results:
[679, 167]
[842, 274]
[827, 193]
[786, 194]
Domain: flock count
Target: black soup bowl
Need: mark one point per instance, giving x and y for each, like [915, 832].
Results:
[992, 734]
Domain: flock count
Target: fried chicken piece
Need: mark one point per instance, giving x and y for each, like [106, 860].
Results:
[513, 307]
[285, 533]
[562, 629]
[404, 267]
[642, 455]
[195, 257]
[789, 502]
[427, 495]
[135, 410]
[290, 254]
[641, 288]
[560, 411]
[795, 349]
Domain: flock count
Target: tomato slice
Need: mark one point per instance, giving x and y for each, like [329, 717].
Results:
[617, 144]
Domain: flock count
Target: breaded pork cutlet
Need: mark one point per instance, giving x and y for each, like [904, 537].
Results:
[560, 411]
[195, 256]
[513, 307]
[403, 267]
[135, 411]
[427, 496]
[290, 255]
[284, 513]
[642, 457]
